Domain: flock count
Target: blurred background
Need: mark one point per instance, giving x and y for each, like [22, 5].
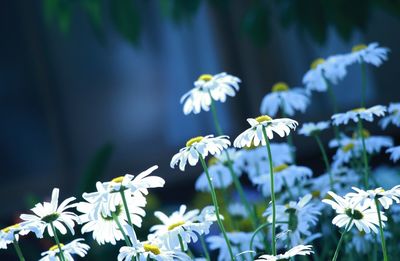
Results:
[90, 89]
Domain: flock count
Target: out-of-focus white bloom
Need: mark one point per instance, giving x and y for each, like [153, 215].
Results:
[288, 99]
[300, 250]
[238, 210]
[240, 241]
[75, 247]
[367, 198]
[301, 217]
[8, 234]
[254, 160]
[363, 217]
[360, 113]
[199, 145]
[394, 153]
[393, 117]
[309, 129]
[48, 213]
[207, 87]
[219, 171]
[284, 176]
[254, 134]
[186, 225]
[371, 54]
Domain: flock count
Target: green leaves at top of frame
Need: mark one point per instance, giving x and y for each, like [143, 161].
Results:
[179, 10]
[58, 11]
[126, 20]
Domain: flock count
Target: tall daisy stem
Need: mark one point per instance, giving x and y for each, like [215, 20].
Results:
[128, 215]
[364, 153]
[383, 242]
[235, 179]
[335, 107]
[363, 84]
[215, 202]
[204, 246]
[341, 240]
[57, 242]
[289, 138]
[271, 173]
[115, 218]
[18, 249]
[326, 161]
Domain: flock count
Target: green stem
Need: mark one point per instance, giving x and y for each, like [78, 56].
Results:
[341, 240]
[115, 218]
[363, 84]
[18, 249]
[335, 107]
[215, 117]
[128, 215]
[181, 243]
[57, 241]
[271, 169]
[383, 242]
[215, 202]
[289, 138]
[364, 153]
[325, 157]
[204, 246]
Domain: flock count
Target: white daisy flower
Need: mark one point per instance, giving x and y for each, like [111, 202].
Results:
[300, 250]
[301, 217]
[50, 213]
[309, 129]
[207, 87]
[288, 99]
[219, 172]
[385, 197]
[363, 217]
[254, 161]
[186, 225]
[362, 243]
[284, 175]
[371, 54]
[360, 113]
[254, 134]
[393, 117]
[75, 247]
[238, 210]
[394, 153]
[199, 145]
[8, 234]
[240, 241]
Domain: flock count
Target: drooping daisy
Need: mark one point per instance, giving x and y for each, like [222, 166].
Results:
[394, 153]
[254, 134]
[360, 113]
[48, 214]
[74, 247]
[393, 116]
[309, 129]
[185, 225]
[207, 145]
[301, 216]
[285, 176]
[207, 87]
[8, 234]
[349, 214]
[371, 54]
[367, 198]
[219, 171]
[240, 242]
[300, 250]
[287, 99]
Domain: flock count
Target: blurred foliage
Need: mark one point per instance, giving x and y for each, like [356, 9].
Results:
[314, 17]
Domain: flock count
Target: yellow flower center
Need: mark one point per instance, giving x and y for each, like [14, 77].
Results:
[193, 140]
[151, 248]
[263, 118]
[118, 179]
[177, 224]
[280, 87]
[348, 147]
[7, 229]
[205, 77]
[280, 168]
[358, 47]
[359, 109]
[316, 194]
[55, 247]
[317, 62]
[380, 190]
[212, 161]
[365, 134]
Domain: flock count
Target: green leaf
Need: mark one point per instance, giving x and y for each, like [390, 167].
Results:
[125, 17]
[256, 23]
[93, 9]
